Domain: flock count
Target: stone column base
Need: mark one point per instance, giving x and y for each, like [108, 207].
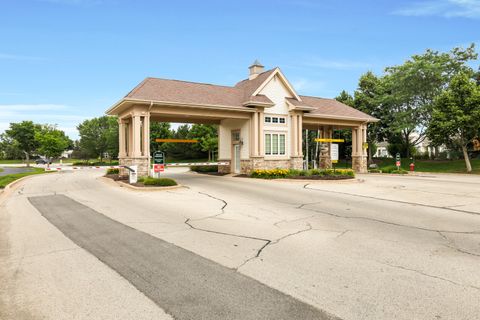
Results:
[142, 163]
[296, 163]
[224, 169]
[359, 164]
[325, 162]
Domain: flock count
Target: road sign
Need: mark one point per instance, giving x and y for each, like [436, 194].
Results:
[398, 159]
[159, 157]
[334, 152]
[158, 168]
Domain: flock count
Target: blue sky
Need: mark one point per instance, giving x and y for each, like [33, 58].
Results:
[63, 61]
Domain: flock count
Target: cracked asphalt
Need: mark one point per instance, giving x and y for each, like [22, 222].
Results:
[381, 247]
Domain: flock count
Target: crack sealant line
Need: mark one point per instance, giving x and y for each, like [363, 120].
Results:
[302, 207]
[451, 245]
[429, 275]
[259, 252]
[188, 223]
[391, 200]
[208, 195]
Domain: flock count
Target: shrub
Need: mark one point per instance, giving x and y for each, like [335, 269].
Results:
[375, 171]
[270, 173]
[160, 182]
[284, 173]
[388, 169]
[204, 169]
[338, 172]
[113, 171]
[401, 171]
[141, 179]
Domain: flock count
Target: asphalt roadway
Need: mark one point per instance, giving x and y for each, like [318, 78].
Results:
[74, 246]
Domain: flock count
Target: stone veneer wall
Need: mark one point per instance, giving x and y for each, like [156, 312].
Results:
[224, 169]
[142, 164]
[359, 164]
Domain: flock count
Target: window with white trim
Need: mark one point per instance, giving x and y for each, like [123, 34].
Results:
[269, 119]
[275, 143]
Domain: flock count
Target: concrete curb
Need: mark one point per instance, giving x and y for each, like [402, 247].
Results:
[122, 184]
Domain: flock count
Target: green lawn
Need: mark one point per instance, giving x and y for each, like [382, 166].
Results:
[4, 180]
[445, 166]
[12, 161]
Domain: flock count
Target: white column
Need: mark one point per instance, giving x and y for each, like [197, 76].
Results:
[255, 134]
[364, 136]
[261, 135]
[294, 138]
[360, 139]
[122, 152]
[146, 135]
[299, 136]
[354, 142]
[136, 152]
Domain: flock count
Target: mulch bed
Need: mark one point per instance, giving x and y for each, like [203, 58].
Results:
[116, 177]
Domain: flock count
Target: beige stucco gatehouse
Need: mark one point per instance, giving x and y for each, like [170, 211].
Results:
[260, 120]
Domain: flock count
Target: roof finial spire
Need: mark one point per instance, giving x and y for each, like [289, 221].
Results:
[255, 69]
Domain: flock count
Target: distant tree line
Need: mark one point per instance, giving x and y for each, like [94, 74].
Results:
[25, 139]
[98, 139]
[434, 95]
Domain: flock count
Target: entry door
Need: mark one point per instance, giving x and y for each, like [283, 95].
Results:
[236, 155]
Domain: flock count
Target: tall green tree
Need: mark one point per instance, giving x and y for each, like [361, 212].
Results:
[370, 97]
[208, 138]
[414, 85]
[51, 141]
[99, 136]
[159, 130]
[23, 135]
[456, 114]
[9, 148]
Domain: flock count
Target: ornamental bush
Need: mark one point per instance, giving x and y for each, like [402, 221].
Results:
[159, 182]
[270, 173]
[113, 171]
[293, 173]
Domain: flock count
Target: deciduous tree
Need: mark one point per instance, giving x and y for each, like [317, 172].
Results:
[23, 135]
[456, 114]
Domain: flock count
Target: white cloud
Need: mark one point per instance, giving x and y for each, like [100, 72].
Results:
[442, 8]
[62, 115]
[305, 85]
[32, 107]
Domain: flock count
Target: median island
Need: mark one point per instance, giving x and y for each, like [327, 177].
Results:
[142, 182]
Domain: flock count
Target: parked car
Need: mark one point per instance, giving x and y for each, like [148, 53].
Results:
[43, 161]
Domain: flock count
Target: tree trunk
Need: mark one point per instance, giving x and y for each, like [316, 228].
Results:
[27, 158]
[467, 159]
[407, 144]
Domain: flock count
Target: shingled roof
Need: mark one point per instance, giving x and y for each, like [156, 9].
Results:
[240, 96]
